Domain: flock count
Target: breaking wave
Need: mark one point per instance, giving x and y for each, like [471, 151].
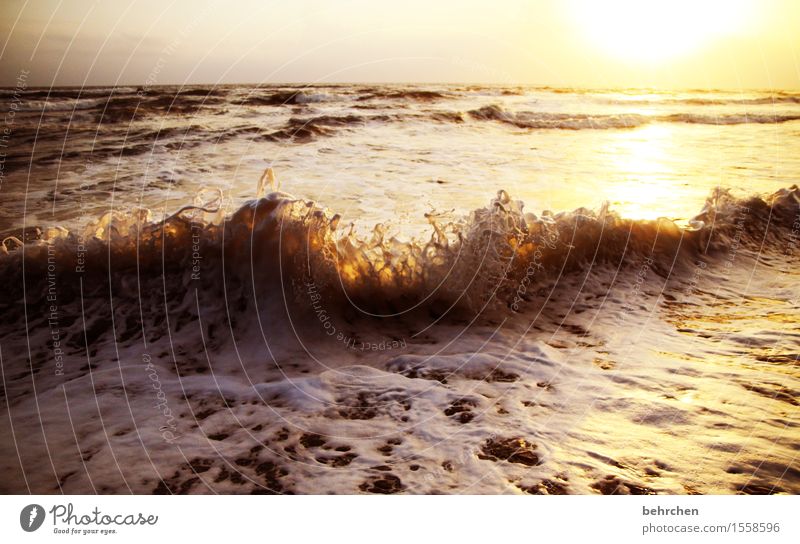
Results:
[279, 243]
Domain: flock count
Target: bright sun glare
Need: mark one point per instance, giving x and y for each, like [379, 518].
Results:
[653, 30]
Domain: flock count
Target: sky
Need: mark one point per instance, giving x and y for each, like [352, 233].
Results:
[720, 44]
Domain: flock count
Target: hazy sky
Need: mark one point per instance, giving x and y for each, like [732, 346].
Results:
[571, 43]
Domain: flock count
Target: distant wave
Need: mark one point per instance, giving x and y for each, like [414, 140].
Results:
[716, 101]
[66, 92]
[419, 95]
[37, 105]
[569, 121]
[765, 100]
[545, 120]
[118, 108]
[305, 129]
[284, 98]
[728, 119]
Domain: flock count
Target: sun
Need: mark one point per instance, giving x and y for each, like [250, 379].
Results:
[655, 30]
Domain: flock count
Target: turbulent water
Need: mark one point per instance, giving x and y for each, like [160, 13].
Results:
[472, 290]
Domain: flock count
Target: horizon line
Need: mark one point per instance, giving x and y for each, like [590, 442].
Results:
[419, 83]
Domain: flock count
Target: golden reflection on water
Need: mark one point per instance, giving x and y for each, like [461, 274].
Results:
[647, 181]
[648, 172]
[655, 175]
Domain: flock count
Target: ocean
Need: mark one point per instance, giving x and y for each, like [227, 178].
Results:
[441, 289]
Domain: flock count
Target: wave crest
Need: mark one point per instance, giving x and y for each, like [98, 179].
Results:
[281, 243]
